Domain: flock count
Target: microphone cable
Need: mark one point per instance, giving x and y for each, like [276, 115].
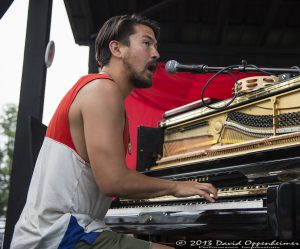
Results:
[226, 70]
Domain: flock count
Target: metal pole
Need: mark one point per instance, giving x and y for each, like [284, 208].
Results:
[31, 105]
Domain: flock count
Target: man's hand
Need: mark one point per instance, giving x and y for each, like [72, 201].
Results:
[190, 188]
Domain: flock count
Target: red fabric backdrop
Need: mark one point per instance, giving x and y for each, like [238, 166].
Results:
[146, 106]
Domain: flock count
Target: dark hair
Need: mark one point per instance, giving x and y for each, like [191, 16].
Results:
[119, 28]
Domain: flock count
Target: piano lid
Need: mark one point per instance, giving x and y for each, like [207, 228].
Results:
[188, 107]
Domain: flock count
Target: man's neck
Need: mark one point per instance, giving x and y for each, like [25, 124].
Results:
[119, 78]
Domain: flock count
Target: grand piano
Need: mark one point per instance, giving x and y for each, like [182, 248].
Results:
[249, 150]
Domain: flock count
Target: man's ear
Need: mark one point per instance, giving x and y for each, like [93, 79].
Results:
[115, 50]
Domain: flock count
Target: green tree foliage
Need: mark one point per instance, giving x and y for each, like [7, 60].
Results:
[8, 123]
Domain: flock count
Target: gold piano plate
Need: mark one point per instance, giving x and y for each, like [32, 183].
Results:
[229, 150]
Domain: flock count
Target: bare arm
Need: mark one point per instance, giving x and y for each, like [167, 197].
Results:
[102, 110]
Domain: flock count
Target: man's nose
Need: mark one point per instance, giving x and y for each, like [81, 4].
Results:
[155, 54]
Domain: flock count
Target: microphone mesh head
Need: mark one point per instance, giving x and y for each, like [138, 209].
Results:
[171, 66]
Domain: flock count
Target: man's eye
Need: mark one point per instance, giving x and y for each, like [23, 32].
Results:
[147, 43]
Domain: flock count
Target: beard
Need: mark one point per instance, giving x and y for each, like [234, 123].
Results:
[137, 79]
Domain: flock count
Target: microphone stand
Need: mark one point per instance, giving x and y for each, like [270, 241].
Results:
[207, 69]
[247, 68]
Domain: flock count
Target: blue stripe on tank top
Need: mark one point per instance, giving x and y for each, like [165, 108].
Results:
[74, 234]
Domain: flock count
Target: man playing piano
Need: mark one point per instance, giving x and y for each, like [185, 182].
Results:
[81, 164]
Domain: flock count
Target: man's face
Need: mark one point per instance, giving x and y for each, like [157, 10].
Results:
[141, 57]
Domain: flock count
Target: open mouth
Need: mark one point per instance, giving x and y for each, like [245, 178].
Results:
[152, 67]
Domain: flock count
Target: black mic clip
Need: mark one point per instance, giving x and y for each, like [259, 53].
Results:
[244, 65]
[192, 68]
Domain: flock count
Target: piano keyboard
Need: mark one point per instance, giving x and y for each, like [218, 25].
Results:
[185, 207]
[222, 193]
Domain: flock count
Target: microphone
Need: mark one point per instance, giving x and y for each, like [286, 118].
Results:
[173, 66]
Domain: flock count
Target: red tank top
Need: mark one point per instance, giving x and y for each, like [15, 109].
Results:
[58, 128]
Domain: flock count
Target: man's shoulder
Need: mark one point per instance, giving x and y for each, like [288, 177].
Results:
[93, 76]
[92, 81]
[99, 90]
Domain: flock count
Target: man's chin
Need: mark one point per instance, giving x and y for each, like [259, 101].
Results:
[143, 83]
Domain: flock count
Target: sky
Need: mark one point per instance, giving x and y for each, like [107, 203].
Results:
[69, 64]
